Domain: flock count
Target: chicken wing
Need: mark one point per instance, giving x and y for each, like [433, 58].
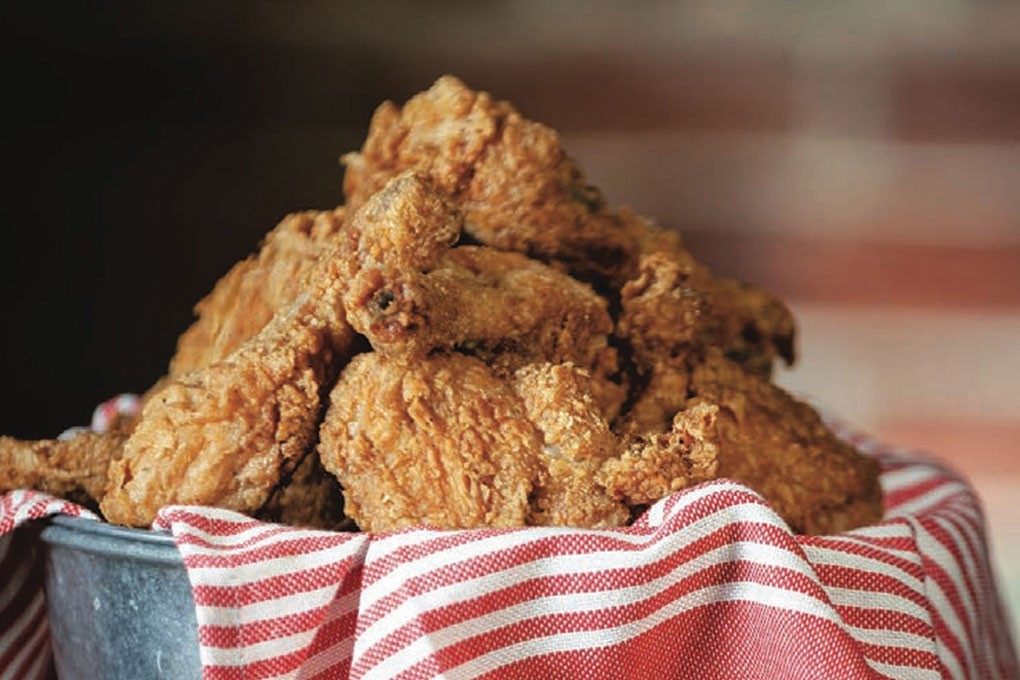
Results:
[74, 468]
[520, 191]
[501, 307]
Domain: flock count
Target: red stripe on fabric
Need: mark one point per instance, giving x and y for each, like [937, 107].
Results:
[272, 628]
[230, 558]
[567, 543]
[860, 580]
[333, 645]
[210, 525]
[904, 657]
[911, 567]
[944, 634]
[271, 588]
[712, 575]
[894, 499]
[32, 584]
[972, 625]
[724, 635]
[186, 538]
[904, 543]
[283, 664]
[881, 619]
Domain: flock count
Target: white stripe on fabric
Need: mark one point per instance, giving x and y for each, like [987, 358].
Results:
[254, 652]
[573, 603]
[892, 639]
[556, 565]
[828, 556]
[232, 657]
[926, 502]
[37, 669]
[867, 599]
[270, 609]
[903, 672]
[944, 558]
[942, 605]
[894, 481]
[219, 547]
[273, 566]
[393, 580]
[968, 566]
[592, 639]
[255, 535]
[15, 582]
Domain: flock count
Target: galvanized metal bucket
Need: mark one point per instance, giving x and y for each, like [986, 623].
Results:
[120, 604]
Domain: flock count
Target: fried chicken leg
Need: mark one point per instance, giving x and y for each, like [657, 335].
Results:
[226, 434]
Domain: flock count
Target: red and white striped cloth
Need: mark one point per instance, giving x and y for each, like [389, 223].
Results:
[708, 583]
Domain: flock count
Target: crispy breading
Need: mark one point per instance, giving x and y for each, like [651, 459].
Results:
[559, 399]
[227, 433]
[519, 190]
[653, 465]
[780, 447]
[74, 468]
[247, 297]
[416, 295]
[441, 441]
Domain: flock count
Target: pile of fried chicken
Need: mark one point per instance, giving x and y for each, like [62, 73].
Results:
[475, 338]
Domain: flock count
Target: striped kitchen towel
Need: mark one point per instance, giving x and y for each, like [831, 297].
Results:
[707, 583]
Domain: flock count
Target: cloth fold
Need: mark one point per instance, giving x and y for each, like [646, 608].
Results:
[708, 582]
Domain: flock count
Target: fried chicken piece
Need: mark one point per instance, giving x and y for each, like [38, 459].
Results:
[765, 438]
[520, 191]
[516, 186]
[74, 468]
[226, 434]
[247, 297]
[442, 441]
[560, 400]
[655, 464]
[310, 497]
[780, 447]
[410, 294]
[666, 315]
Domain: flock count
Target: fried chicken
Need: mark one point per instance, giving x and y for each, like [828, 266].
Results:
[247, 297]
[226, 434]
[442, 441]
[780, 447]
[764, 438]
[445, 441]
[519, 191]
[73, 468]
[411, 294]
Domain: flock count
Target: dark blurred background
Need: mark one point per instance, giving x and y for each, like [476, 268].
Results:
[860, 159]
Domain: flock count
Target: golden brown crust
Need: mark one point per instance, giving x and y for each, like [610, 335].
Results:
[442, 441]
[559, 399]
[74, 468]
[226, 434]
[780, 447]
[247, 297]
